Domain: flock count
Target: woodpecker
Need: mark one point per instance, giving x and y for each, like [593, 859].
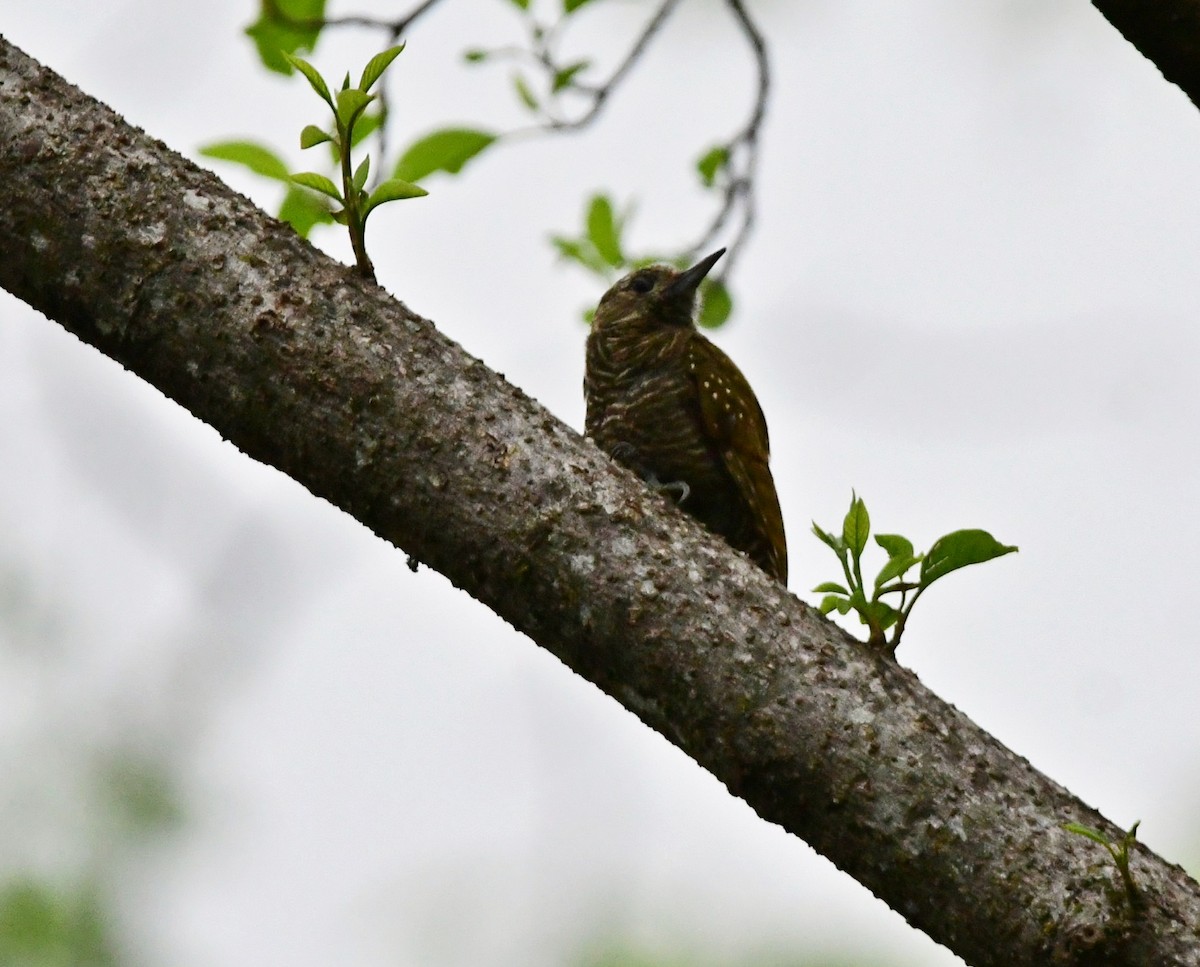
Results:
[666, 403]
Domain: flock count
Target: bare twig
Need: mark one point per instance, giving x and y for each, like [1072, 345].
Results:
[601, 94]
[739, 172]
[542, 53]
[394, 27]
[741, 168]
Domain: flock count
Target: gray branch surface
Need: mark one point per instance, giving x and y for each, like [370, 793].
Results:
[306, 367]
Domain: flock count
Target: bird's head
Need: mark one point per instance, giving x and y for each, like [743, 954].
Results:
[656, 294]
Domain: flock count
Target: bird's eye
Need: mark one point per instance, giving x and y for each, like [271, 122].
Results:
[641, 283]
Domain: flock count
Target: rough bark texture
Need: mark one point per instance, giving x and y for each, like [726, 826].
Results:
[306, 367]
[1167, 32]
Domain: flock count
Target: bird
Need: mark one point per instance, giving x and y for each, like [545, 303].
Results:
[665, 402]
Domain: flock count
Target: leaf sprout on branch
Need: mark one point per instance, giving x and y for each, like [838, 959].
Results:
[557, 90]
[949, 553]
[1119, 852]
[348, 105]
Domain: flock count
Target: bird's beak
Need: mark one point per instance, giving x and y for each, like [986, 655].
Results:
[689, 281]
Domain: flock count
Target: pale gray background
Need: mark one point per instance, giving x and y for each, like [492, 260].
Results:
[971, 297]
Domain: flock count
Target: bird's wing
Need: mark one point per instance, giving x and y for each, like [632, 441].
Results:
[735, 422]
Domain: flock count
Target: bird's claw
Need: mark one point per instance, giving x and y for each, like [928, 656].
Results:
[680, 487]
[625, 453]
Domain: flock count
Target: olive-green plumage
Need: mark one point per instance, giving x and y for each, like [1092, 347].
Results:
[669, 405]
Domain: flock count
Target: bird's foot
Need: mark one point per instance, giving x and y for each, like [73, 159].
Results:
[626, 454]
[623, 453]
[678, 487]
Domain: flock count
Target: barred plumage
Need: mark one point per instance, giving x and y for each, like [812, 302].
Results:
[671, 406]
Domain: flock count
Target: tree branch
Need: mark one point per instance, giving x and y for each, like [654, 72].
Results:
[1167, 32]
[307, 367]
[599, 94]
[741, 169]
[394, 28]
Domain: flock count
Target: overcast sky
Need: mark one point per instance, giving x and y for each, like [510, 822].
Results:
[971, 297]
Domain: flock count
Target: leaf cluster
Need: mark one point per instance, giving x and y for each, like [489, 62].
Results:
[948, 553]
[556, 89]
[557, 77]
[315, 198]
[348, 105]
[446, 149]
[286, 27]
[600, 248]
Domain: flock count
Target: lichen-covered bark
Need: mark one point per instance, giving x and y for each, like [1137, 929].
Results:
[306, 367]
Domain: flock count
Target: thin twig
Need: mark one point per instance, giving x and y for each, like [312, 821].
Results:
[543, 55]
[393, 27]
[600, 94]
[740, 171]
[743, 150]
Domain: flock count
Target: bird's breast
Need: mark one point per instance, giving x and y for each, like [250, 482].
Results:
[643, 409]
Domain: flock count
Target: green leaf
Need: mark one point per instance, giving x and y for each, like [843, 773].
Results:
[570, 6]
[524, 92]
[142, 792]
[351, 102]
[856, 528]
[603, 231]
[476, 56]
[310, 179]
[643, 260]
[260, 160]
[315, 80]
[880, 614]
[312, 135]
[377, 65]
[394, 189]
[710, 163]
[715, 304]
[566, 77]
[445, 150]
[367, 124]
[275, 37]
[47, 922]
[960, 549]
[895, 545]
[858, 601]
[831, 586]
[1093, 834]
[303, 210]
[894, 568]
[522, 4]
[581, 251]
[360, 175]
[832, 602]
[825, 537]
